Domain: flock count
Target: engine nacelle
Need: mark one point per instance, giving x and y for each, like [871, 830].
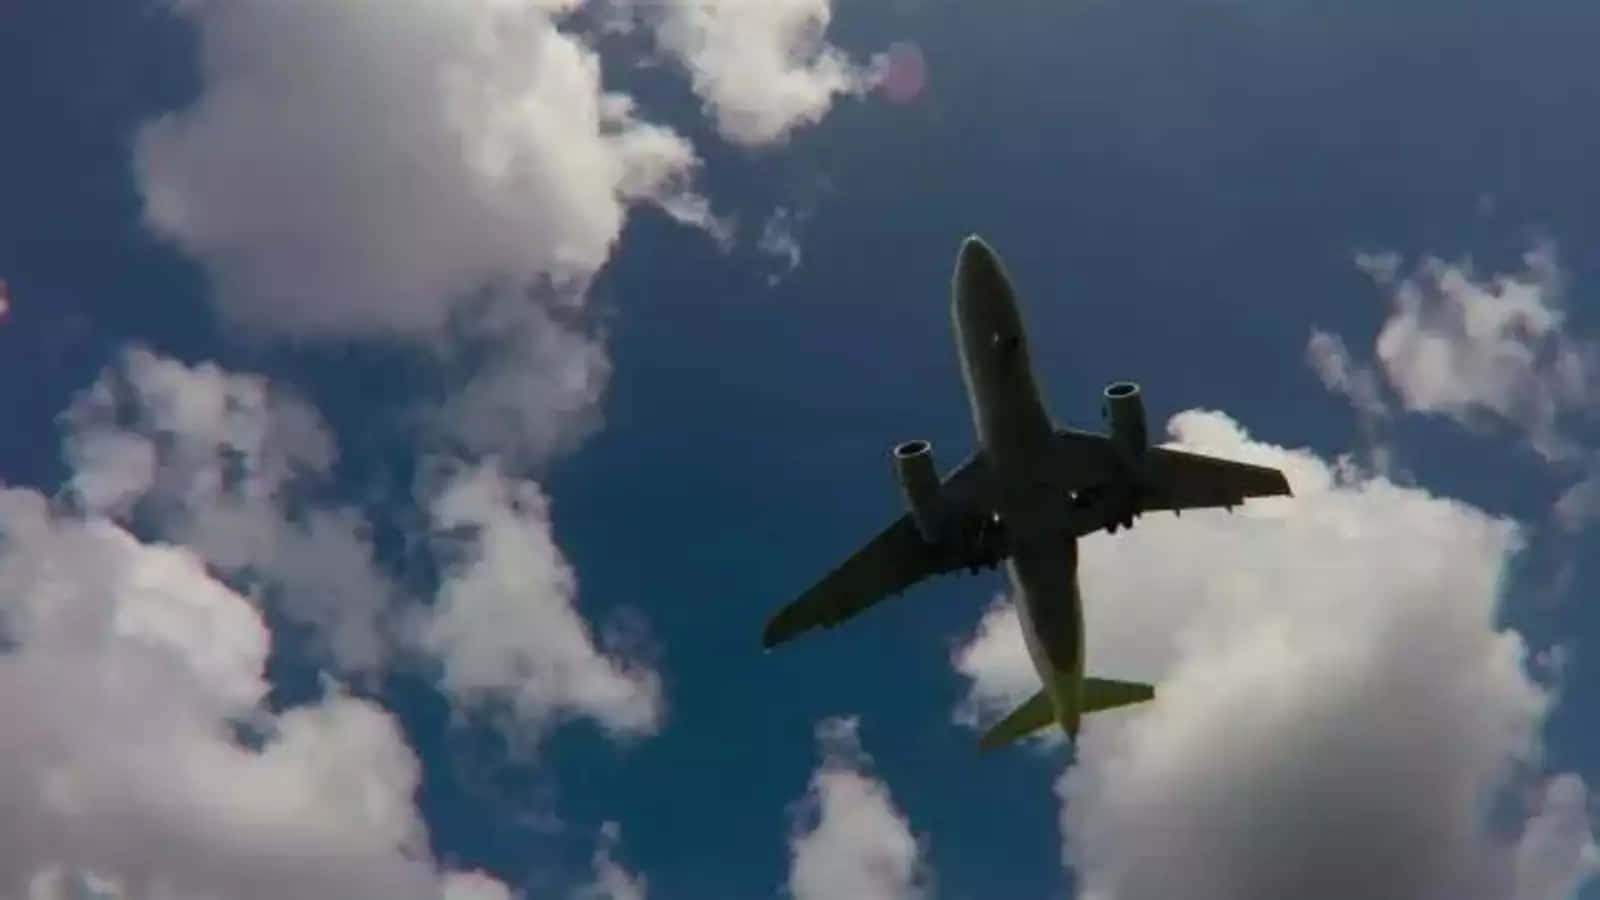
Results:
[1123, 410]
[919, 485]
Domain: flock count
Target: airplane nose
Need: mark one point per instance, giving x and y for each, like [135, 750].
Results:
[979, 277]
[976, 263]
[983, 296]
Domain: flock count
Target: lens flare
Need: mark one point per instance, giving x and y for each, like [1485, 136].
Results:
[902, 72]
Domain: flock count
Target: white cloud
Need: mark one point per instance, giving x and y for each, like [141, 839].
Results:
[435, 171]
[1334, 702]
[1481, 352]
[780, 241]
[1557, 852]
[849, 839]
[228, 455]
[1493, 349]
[1356, 382]
[474, 886]
[504, 625]
[1579, 503]
[996, 660]
[215, 459]
[1341, 374]
[127, 666]
[763, 68]
[611, 880]
[532, 386]
[360, 168]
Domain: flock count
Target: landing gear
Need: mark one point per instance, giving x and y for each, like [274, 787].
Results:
[988, 544]
[1116, 508]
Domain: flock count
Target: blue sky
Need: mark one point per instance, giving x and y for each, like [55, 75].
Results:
[411, 430]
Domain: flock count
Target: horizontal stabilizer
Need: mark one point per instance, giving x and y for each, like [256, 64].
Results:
[1104, 693]
[1031, 716]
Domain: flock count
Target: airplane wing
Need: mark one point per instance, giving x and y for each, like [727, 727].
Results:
[886, 565]
[1175, 479]
[1179, 479]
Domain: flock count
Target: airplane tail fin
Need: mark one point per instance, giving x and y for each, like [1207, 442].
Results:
[1038, 712]
[1031, 716]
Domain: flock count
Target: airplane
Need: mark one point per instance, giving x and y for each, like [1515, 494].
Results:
[1023, 498]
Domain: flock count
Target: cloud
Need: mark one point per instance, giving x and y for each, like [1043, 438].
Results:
[355, 168]
[1579, 504]
[1341, 374]
[528, 386]
[228, 464]
[1557, 853]
[504, 625]
[1483, 352]
[1335, 701]
[996, 660]
[222, 463]
[474, 886]
[1358, 383]
[611, 880]
[1493, 349]
[779, 240]
[763, 68]
[849, 839]
[127, 675]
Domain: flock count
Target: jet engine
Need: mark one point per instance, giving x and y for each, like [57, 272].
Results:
[919, 484]
[1123, 410]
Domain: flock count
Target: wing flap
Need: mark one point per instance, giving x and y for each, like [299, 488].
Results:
[1034, 714]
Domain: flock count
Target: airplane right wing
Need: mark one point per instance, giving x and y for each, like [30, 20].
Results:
[891, 562]
[1183, 480]
[1173, 479]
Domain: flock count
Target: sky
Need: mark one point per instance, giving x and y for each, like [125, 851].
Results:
[417, 407]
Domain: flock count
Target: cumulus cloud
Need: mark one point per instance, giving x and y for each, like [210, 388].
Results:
[1335, 701]
[360, 168]
[849, 840]
[217, 461]
[996, 660]
[504, 625]
[1486, 349]
[1557, 853]
[763, 68]
[1493, 351]
[128, 673]
[224, 463]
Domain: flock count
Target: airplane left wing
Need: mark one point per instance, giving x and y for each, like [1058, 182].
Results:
[891, 562]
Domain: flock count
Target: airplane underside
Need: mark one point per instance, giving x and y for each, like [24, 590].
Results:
[1024, 497]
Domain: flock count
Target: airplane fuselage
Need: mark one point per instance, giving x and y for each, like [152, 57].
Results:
[1015, 432]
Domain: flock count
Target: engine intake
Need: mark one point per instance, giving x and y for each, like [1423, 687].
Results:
[919, 485]
[1123, 410]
